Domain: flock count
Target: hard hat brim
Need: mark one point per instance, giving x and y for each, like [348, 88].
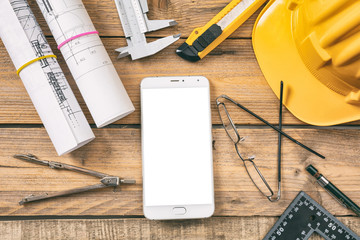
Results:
[304, 95]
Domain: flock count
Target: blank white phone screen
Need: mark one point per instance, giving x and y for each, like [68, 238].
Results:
[177, 146]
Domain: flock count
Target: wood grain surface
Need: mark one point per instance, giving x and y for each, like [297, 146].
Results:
[251, 228]
[241, 212]
[117, 151]
[189, 14]
[232, 71]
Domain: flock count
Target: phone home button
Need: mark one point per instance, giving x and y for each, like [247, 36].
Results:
[179, 210]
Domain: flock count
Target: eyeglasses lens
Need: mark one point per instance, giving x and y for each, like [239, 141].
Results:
[257, 178]
[228, 125]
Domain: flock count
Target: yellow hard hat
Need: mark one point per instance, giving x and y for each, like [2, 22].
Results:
[314, 47]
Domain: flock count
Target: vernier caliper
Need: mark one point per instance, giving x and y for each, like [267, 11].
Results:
[135, 24]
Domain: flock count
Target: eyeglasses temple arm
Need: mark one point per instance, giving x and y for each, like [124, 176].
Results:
[273, 127]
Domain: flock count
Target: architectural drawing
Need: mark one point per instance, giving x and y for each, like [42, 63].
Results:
[51, 68]
[43, 79]
[87, 60]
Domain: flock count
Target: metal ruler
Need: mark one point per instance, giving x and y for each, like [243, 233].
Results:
[303, 217]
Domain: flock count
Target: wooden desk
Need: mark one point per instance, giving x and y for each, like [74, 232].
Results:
[241, 212]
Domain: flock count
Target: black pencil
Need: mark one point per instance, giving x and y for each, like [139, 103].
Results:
[280, 128]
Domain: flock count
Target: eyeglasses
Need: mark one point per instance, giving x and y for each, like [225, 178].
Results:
[252, 170]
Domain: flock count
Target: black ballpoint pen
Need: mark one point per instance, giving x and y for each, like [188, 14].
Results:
[333, 191]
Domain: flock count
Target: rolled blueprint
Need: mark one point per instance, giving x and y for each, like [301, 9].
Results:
[43, 78]
[87, 59]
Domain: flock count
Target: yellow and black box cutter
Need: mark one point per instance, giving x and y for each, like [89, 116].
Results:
[204, 39]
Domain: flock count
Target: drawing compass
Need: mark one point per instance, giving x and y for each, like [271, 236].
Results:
[105, 179]
[135, 24]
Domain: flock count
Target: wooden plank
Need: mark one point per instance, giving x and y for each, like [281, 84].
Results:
[213, 228]
[117, 151]
[232, 69]
[189, 14]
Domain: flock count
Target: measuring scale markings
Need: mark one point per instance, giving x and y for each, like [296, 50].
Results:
[50, 66]
[135, 24]
[303, 217]
[134, 21]
[138, 15]
[123, 17]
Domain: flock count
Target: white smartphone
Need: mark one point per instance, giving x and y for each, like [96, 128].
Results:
[177, 148]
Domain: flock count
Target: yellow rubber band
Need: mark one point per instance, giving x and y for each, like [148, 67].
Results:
[32, 61]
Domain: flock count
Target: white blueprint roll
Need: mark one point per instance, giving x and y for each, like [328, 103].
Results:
[44, 80]
[87, 59]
